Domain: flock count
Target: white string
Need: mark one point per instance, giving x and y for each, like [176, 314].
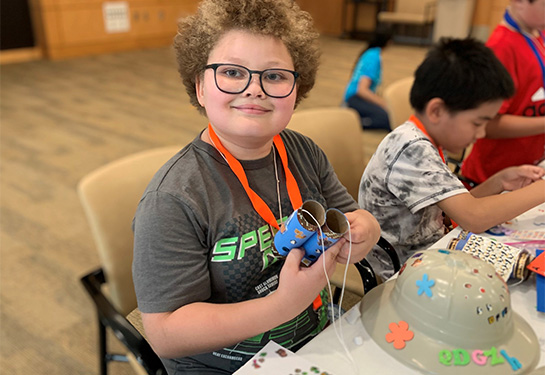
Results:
[340, 337]
[277, 186]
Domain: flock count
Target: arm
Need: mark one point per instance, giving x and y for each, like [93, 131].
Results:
[477, 214]
[201, 327]
[511, 126]
[508, 179]
[365, 92]
[506, 124]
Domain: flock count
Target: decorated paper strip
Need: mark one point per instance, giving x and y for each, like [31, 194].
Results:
[503, 257]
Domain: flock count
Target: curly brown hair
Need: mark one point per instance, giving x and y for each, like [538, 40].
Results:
[282, 19]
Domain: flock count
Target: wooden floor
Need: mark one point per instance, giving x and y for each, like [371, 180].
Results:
[59, 121]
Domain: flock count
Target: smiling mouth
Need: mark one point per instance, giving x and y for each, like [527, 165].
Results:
[248, 108]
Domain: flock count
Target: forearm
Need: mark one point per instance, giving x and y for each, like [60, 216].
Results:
[491, 186]
[479, 214]
[510, 126]
[509, 179]
[203, 327]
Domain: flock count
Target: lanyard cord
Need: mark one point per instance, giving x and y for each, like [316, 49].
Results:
[257, 202]
[420, 126]
[511, 22]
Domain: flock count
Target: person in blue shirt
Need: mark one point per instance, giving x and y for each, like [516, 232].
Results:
[360, 92]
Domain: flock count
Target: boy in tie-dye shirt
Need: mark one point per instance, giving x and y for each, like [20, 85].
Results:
[407, 185]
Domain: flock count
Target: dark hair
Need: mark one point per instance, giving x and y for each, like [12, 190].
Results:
[464, 73]
[381, 36]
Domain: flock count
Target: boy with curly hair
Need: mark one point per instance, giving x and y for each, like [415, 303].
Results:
[407, 186]
[211, 289]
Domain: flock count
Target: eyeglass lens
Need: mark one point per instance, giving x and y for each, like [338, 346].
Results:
[234, 79]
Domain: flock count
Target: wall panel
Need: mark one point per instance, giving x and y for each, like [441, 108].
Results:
[69, 28]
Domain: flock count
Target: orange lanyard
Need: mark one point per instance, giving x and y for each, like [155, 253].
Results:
[420, 126]
[259, 205]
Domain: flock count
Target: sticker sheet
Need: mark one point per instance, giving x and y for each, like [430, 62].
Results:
[274, 359]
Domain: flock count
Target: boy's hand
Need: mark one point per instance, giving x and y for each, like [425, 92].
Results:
[365, 232]
[299, 285]
[514, 178]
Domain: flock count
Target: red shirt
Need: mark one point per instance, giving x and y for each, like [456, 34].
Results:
[489, 156]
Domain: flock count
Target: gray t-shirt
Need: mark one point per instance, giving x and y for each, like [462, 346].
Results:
[198, 238]
[400, 186]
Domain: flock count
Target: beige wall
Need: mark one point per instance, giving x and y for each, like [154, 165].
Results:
[328, 15]
[68, 28]
[488, 14]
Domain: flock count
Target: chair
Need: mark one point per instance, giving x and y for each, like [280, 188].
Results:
[338, 132]
[396, 95]
[109, 196]
[419, 13]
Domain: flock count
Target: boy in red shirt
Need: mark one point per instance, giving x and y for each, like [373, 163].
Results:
[517, 135]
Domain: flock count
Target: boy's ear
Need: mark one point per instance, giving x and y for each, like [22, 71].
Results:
[199, 89]
[435, 109]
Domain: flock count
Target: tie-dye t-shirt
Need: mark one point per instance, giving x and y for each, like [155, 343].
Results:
[400, 186]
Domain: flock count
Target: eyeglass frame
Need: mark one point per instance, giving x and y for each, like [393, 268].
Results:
[252, 72]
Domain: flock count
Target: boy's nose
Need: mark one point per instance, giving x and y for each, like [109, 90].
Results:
[254, 88]
[481, 132]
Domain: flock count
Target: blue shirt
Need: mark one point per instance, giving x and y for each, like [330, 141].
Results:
[369, 65]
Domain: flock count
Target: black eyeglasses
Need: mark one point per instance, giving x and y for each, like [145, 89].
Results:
[234, 79]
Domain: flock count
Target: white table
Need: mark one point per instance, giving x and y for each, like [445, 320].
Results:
[326, 350]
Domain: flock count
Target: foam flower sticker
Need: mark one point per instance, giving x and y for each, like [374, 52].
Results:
[424, 285]
[399, 334]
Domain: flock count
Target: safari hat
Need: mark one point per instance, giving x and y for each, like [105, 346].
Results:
[448, 312]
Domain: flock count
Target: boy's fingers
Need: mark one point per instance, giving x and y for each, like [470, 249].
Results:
[540, 172]
[294, 257]
[532, 171]
[334, 250]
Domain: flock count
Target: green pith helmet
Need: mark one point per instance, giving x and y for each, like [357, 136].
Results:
[450, 313]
